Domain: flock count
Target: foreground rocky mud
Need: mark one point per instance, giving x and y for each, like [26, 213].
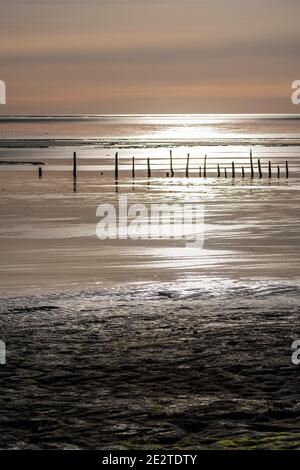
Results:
[151, 367]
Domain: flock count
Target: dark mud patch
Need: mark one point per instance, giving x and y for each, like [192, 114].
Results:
[32, 309]
[137, 372]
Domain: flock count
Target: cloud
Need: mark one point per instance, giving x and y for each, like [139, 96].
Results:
[129, 50]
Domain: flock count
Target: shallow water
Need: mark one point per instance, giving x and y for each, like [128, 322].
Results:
[48, 231]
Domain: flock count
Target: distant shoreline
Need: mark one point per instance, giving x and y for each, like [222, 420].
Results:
[137, 143]
[9, 162]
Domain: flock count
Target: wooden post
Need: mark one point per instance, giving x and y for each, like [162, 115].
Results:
[187, 165]
[278, 171]
[40, 172]
[204, 169]
[171, 164]
[243, 172]
[116, 166]
[233, 170]
[74, 165]
[287, 169]
[167, 174]
[225, 171]
[251, 164]
[270, 169]
[259, 168]
[200, 171]
[148, 167]
[133, 168]
[219, 172]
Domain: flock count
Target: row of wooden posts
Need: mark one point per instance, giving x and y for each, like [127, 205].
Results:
[172, 173]
[233, 168]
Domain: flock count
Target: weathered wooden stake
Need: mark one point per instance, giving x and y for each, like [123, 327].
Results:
[243, 172]
[200, 171]
[251, 164]
[287, 169]
[204, 169]
[171, 164]
[278, 171]
[133, 168]
[233, 170]
[148, 167]
[116, 166]
[167, 174]
[270, 169]
[40, 172]
[74, 165]
[259, 168]
[219, 171]
[187, 165]
[225, 171]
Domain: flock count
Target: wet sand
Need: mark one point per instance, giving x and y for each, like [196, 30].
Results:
[127, 344]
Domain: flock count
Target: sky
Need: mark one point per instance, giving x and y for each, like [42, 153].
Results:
[149, 56]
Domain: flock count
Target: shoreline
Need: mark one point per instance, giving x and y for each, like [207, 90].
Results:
[10, 162]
